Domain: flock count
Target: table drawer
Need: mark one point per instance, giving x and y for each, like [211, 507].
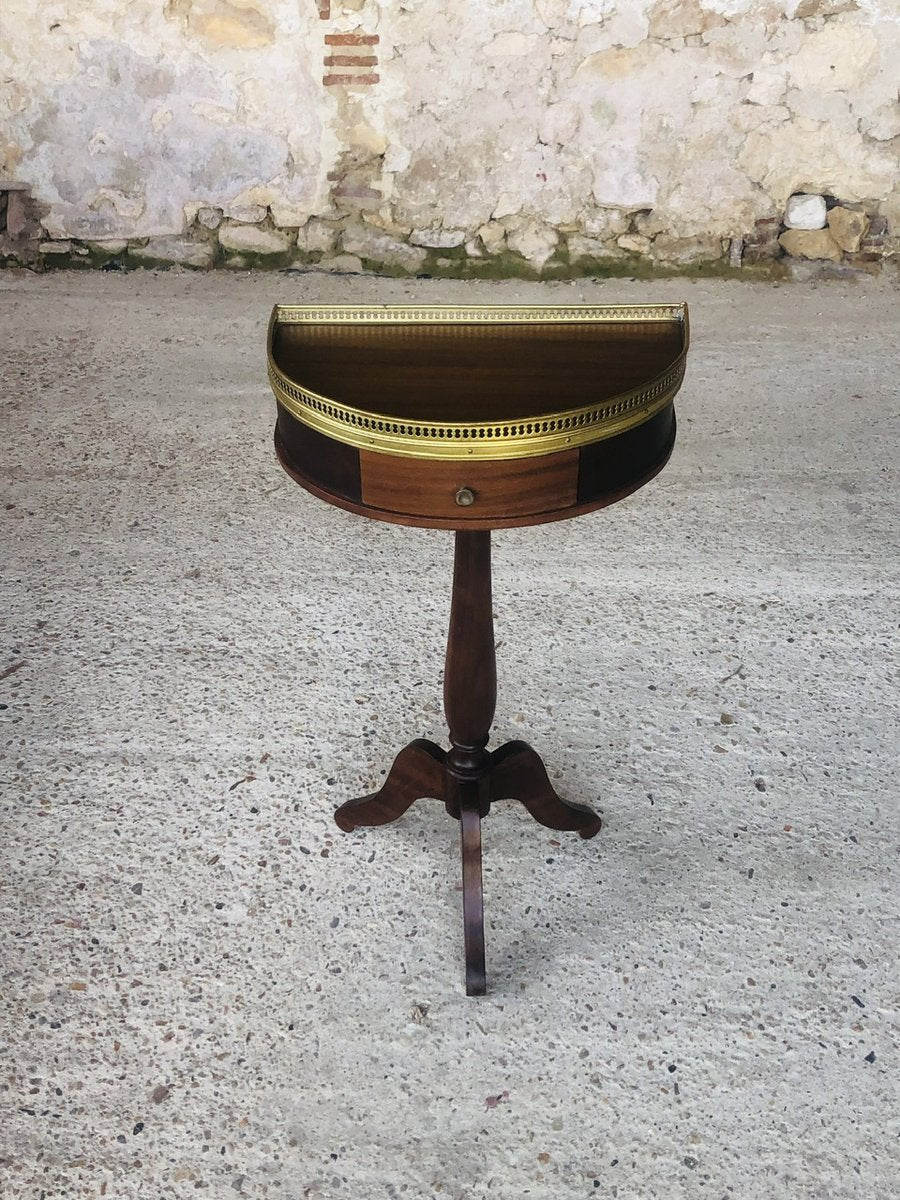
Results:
[458, 490]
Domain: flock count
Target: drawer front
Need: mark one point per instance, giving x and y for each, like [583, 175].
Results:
[458, 491]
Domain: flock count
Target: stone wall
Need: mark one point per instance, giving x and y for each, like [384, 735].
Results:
[454, 136]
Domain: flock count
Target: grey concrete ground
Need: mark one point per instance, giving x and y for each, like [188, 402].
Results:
[207, 987]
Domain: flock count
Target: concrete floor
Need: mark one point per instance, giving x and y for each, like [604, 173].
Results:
[207, 987]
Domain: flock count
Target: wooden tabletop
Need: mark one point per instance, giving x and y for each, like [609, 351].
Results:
[474, 372]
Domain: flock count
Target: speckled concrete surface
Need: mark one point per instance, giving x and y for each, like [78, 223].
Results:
[207, 987]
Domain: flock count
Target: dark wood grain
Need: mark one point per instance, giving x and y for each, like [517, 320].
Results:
[504, 488]
[333, 465]
[473, 893]
[470, 674]
[609, 466]
[417, 773]
[517, 773]
[475, 523]
[478, 372]
[470, 698]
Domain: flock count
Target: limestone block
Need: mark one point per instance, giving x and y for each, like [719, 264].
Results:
[209, 218]
[810, 243]
[837, 58]
[108, 246]
[605, 223]
[803, 10]
[804, 211]
[848, 228]
[623, 24]
[240, 25]
[683, 18]
[55, 248]
[535, 242]
[438, 239]
[174, 250]
[634, 243]
[508, 205]
[288, 216]
[367, 243]
[358, 239]
[804, 150]
[648, 222]
[737, 47]
[493, 236]
[383, 220]
[316, 237]
[249, 239]
[590, 247]
[247, 214]
[682, 251]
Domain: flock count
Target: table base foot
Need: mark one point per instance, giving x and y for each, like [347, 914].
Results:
[513, 772]
[473, 895]
[518, 773]
[417, 773]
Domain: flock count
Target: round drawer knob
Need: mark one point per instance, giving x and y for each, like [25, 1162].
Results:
[465, 496]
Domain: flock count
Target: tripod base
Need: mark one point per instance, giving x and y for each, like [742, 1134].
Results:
[514, 772]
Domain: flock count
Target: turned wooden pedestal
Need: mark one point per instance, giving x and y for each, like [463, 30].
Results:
[473, 420]
[468, 777]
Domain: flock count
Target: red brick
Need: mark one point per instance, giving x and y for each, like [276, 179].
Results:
[351, 39]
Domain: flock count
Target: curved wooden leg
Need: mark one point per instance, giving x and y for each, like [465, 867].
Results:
[417, 772]
[517, 773]
[473, 897]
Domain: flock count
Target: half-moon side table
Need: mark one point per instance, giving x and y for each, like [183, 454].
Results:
[474, 419]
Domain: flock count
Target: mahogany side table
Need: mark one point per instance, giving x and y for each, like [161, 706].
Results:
[474, 419]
